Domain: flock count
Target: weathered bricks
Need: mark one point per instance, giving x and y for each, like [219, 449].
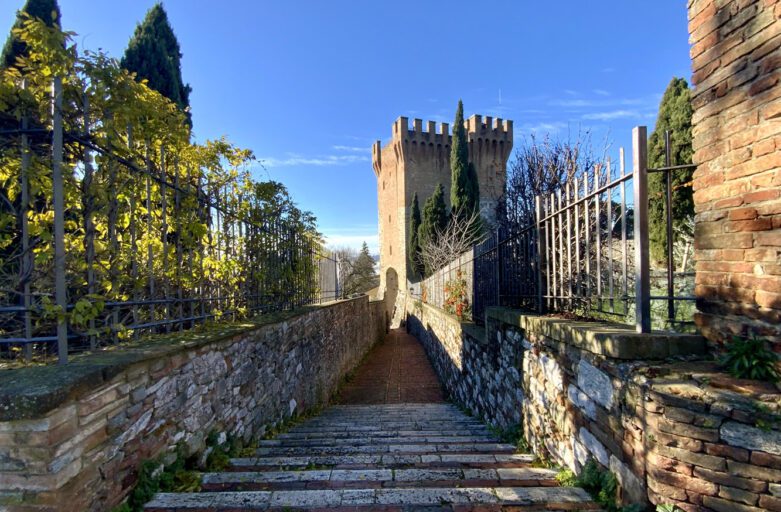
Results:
[737, 189]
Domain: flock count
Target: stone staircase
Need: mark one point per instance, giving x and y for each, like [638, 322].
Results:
[381, 457]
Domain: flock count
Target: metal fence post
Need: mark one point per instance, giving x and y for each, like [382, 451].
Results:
[538, 234]
[498, 276]
[642, 261]
[60, 291]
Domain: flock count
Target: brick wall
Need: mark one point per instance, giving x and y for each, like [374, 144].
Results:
[736, 64]
[78, 434]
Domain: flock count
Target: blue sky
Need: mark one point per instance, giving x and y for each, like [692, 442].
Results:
[309, 85]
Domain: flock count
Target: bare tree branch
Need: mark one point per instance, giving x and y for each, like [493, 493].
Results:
[458, 237]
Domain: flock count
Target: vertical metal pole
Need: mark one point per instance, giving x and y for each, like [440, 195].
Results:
[89, 225]
[609, 209]
[587, 232]
[598, 236]
[540, 243]
[149, 227]
[576, 241]
[669, 218]
[624, 252]
[113, 242]
[498, 269]
[642, 262]
[60, 291]
[569, 244]
[27, 255]
[164, 230]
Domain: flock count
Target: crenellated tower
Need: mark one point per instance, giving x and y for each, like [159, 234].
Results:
[415, 161]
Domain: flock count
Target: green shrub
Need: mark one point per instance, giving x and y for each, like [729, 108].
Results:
[600, 483]
[751, 359]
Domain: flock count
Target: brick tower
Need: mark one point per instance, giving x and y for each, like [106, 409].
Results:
[416, 161]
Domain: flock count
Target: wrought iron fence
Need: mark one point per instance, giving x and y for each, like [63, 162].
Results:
[141, 242]
[587, 252]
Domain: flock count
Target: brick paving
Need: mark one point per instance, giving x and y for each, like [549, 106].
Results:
[395, 371]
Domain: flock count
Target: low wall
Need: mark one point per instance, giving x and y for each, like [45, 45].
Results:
[671, 428]
[77, 434]
[477, 373]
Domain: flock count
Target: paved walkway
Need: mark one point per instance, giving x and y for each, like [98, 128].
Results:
[395, 371]
[374, 452]
[387, 457]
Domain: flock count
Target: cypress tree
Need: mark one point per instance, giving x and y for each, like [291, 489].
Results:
[363, 277]
[413, 244]
[675, 115]
[464, 189]
[46, 10]
[434, 219]
[153, 54]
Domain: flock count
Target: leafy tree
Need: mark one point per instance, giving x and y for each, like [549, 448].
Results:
[362, 276]
[413, 244]
[124, 229]
[153, 54]
[675, 115]
[435, 220]
[47, 11]
[464, 189]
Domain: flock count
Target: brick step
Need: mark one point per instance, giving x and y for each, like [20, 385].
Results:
[544, 498]
[365, 449]
[383, 460]
[377, 478]
[356, 440]
[383, 433]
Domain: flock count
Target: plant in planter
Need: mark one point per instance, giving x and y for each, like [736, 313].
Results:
[456, 301]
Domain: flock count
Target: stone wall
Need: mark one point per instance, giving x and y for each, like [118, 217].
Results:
[671, 427]
[479, 374]
[736, 65]
[77, 434]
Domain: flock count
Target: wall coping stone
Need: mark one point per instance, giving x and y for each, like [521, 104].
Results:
[611, 340]
[31, 392]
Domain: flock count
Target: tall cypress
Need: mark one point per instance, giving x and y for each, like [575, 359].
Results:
[47, 11]
[464, 189]
[414, 268]
[675, 115]
[153, 54]
[434, 219]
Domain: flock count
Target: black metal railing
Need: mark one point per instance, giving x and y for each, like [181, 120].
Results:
[586, 253]
[102, 244]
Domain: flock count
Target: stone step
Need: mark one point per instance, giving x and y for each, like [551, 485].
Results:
[383, 433]
[408, 424]
[546, 498]
[383, 460]
[378, 478]
[364, 449]
[407, 416]
[365, 440]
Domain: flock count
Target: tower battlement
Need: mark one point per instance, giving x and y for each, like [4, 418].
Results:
[416, 161]
[478, 129]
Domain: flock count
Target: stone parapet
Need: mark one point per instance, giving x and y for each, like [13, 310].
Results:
[669, 424]
[77, 434]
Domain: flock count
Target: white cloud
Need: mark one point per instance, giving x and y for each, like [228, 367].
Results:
[342, 238]
[610, 115]
[601, 92]
[318, 161]
[353, 149]
[545, 127]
